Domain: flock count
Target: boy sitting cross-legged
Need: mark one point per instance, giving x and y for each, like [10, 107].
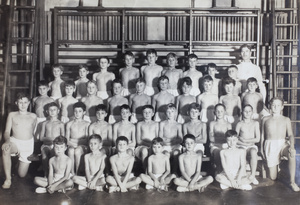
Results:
[94, 167]
[158, 168]
[59, 170]
[122, 164]
[190, 167]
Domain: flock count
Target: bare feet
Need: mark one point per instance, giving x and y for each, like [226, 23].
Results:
[295, 187]
[6, 184]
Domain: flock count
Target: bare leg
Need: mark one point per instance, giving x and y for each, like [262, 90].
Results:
[62, 186]
[111, 181]
[291, 153]
[203, 183]
[217, 160]
[41, 181]
[147, 179]
[80, 180]
[133, 182]
[7, 150]
[23, 168]
[253, 163]
[71, 153]
[273, 172]
[144, 155]
[78, 153]
[46, 153]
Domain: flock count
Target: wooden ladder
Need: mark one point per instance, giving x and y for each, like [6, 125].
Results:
[20, 56]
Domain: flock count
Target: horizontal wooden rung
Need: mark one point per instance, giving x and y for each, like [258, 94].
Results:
[22, 38]
[88, 49]
[21, 54]
[18, 87]
[286, 24]
[20, 71]
[23, 22]
[287, 56]
[288, 88]
[24, 7]
[287, 72]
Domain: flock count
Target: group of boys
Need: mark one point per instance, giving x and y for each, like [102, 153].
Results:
[146, 118]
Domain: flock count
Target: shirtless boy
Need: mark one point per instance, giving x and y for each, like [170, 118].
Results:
[138, 100]
[249, 134]
[146, 131]
[232, 102]
[151, 72]
[125, 128]
[161, 99]
[232, 72]
[212, 71]
[59, 170]
[66, 103]
[183, 101]
[81, 83]
[253, 98]
[190, 167]
[194, 74]
[173, 74]
[57, 86]
[76, 134]
[129, 74]
[278, 141]
[159, 172]
[217, 130]
[115, 102]
[50, 129]
[102, 128]
[234, 165]
[18, 137]
[122, 164]
[103, 79]
[207, 100]
[91, 101]
[196, 128]
[94, 166]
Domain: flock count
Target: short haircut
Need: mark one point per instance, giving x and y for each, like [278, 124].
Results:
[79, 105]
[70, 83]
[101, 107]
[246, 46]
[95, 136]
[230, 133]
[60, 140]
[83, 66]
[128, 53]
[188, 136]
[171, 55]
[57, 66]
[227, 81]
[125, 106]
[151, 51]
[52, 104]
[192, 55]
[103, 57]
[122, 138]
[43, 83]
[116, 80]
[171, 106]
[247, 105]
[207, 78]
[194, 106]
[211, 65]
[140, 80]
[91, 81]
[250, 80]
[276, 98]
[186, 80]
[158, 140]
[22, 95]
[163, 77]
[148, 107]
[232, 66]
[220, 105]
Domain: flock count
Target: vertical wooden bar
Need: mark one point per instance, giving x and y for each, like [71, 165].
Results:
[55, 36]
[191, 31]
[124, 28]
[274, 66]
[258, 38]
[42, 36]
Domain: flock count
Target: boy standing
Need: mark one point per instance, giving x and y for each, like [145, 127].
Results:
[248, 133]
[18, 136]
[151, 72]
[183, 101]
[76, 134]
[232, 72]
[94, 166]
[59, 170]
[103, 79]
[158, 168]
[194, 74]
[278, 140]
[57, 85]
[122, 164]
[129, 75]
[196, 128]
[190, 168]
[81, 83]
[50, 129]
[212, 70]
[115, 102]
[146, 131]
[173, 74]
[66, 103]
[138, 100]
[161, 99]
[234, 165]
[91, 101]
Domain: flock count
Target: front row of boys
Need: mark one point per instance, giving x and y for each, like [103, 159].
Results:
[277, 141]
